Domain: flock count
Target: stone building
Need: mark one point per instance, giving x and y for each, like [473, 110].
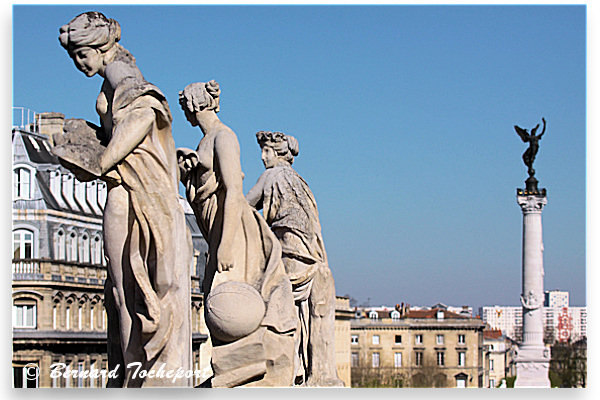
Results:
[497, 357]
[58, 265]
[58, 270]
[416, 348]
[343, 316]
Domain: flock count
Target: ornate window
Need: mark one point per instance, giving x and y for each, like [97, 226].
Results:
[72, 246]
[96, 250]
[84, 248]
[68, 317]
[22, 244]
[59, 244]
[22, 183]
[92, 316]
[54, 316]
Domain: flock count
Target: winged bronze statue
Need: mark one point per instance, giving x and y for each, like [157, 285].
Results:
[533, 140]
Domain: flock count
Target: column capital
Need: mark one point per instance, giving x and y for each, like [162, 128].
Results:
[531, 203]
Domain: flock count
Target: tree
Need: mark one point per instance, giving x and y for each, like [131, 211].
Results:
[568, 365]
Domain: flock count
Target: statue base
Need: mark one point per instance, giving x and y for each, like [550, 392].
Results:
[533, 365]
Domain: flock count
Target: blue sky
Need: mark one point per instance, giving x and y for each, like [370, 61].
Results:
[404, 115]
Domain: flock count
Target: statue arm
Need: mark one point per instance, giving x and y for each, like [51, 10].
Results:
[543, 129]
[127, 135]
[255, 195]
[227, 154]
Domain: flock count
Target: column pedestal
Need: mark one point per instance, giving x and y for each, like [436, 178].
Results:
[533, 358]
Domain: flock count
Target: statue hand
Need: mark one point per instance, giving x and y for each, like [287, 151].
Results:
[224, 259]
[186, 161]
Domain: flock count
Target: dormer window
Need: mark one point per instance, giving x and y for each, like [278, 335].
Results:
[395, 315]
[440, 314]
[373, 315]
[21, 183]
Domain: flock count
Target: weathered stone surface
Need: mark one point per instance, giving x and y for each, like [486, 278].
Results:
[290, 209]
[233, 310]
[146, 241]
[80, 146]
[242, 248]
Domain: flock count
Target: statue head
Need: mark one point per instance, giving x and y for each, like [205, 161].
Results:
[198, 97]
[89, 38]
[277, 147]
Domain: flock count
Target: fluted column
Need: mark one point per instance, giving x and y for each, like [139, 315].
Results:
[533, 357]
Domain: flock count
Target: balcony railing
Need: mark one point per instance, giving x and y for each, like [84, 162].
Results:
[25, 267]
[58, 271]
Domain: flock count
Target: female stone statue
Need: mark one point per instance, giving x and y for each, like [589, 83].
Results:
[146, 242]
[252, 341]
[290, 209]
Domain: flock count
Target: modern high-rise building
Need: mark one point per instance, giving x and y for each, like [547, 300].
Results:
[561, 321]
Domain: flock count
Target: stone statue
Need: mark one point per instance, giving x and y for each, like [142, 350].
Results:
[249, 306]
[290, 209]
[146, 241]
[533, 140]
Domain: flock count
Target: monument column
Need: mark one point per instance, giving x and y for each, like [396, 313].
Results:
[533, 358]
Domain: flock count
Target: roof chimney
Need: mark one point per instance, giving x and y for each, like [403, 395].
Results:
[50, 123]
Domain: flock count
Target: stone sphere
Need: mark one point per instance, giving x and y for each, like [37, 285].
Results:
[233, 310]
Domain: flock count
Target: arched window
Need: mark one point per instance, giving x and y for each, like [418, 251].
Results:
[68, 317]
[59, 244]
[22, 244]
[72, 246]
[373, 315]
[22, 183]
[395, 315]
[55, 317]
[84, 247]
[101, 194]
[96, 250]
[92, 316]
[24, 313]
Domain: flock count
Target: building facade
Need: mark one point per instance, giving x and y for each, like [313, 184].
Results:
[497, 358]
[59, 270]
[58, 265]
[560, 323]
[416, 348]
